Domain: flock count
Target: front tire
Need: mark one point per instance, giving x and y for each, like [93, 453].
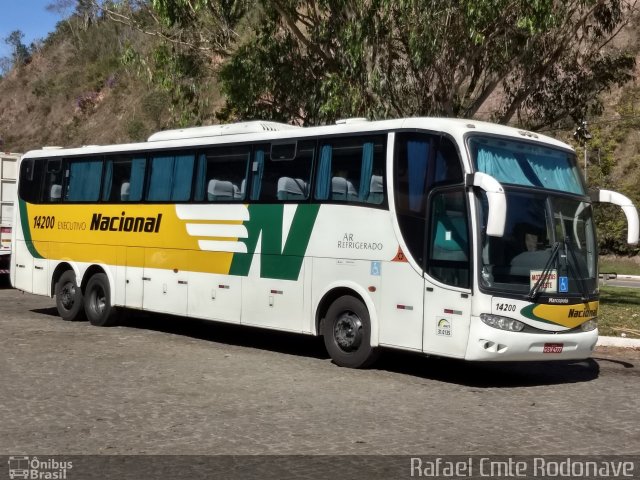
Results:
[347, 333]
[69, 298]
[97, 302]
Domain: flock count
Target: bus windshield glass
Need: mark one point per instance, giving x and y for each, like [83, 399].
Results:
[526, 164]
[543, 233]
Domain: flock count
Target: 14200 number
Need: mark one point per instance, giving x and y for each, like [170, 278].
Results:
[40, 221]
[505, 307]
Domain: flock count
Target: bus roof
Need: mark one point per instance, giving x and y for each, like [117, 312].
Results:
[263, 131]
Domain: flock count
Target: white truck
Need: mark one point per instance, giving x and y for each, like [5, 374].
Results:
[8, 175]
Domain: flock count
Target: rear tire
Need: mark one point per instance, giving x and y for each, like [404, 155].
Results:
[347, 333]
[69, 298]
[97, 302]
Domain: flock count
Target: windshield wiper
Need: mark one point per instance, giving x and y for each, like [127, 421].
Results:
[535, 290]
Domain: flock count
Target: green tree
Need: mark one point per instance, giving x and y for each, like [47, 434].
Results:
[185, 47]
[19, 51]
[312, 61]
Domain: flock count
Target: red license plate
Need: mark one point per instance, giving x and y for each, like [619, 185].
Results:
[552, 348]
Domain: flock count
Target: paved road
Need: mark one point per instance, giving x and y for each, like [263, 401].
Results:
[160, 385]
[619, 282]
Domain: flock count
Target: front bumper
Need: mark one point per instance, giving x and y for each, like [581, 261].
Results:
[491, 344]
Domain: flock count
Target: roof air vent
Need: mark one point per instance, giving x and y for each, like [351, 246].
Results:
[257, 126]
[349, 121]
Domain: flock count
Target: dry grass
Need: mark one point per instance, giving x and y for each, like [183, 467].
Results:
[619, 311]
[620, 265]
[39, 101]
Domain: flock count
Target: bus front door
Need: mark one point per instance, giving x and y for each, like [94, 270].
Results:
[447, 302]
[446, 320]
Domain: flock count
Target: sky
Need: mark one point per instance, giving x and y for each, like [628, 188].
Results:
[30, 16]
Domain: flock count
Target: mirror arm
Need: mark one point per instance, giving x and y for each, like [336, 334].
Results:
[615, 198]
[497, 217]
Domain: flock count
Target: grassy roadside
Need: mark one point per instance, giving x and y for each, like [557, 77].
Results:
[619, 308]
[620, 265]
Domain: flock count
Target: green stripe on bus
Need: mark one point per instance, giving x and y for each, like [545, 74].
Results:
[276, 261]
[24, 220]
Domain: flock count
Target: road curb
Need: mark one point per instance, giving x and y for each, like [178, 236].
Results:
[618, 276]
[618, 342]
[629, 277]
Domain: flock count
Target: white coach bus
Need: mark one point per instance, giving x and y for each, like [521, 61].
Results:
[441, 236]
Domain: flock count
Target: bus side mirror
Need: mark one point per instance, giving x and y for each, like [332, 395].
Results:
[633, 222]
[497, 217]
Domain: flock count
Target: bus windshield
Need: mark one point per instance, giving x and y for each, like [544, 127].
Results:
[526, 164]
[542, 232]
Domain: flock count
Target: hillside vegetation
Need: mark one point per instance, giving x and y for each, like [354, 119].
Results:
[98, 80]
[79, 88]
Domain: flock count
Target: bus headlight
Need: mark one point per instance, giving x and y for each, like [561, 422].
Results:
[503, 323]
[590, 325]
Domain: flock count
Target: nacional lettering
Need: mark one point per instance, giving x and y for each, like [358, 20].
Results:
[587, 312]
[124, 223]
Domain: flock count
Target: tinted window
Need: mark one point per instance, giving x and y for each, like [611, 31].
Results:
[170, 177]
[449, 238]
[53, 181]
[83, 180]
[279, 179]
[447, 168]
[123, 179]
[221, 174]
[528, 164]
[31, 173]
[351, 170]
[421, 162]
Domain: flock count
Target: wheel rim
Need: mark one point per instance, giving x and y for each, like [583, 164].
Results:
[98, 300]
[347, 331]
[68, 295]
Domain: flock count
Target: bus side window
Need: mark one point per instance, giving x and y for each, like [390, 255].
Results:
[351, 170]
[53, 182]
[84, 177]
[170, 177]
[282, 172]
[221, 174]
[412, 157]
[449, 238]
[447, 163]
[123, 179]
[421, 162]
[448, 259]
[31, 173]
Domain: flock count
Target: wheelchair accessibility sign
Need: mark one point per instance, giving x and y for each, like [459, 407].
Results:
[375, 268]
[563, 284]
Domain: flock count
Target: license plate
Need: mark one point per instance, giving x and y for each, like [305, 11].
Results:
[552, 348]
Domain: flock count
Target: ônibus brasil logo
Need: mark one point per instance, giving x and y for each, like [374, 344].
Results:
[38, 469]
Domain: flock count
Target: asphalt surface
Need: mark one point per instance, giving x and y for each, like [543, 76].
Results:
[166, 385]
[622, 283]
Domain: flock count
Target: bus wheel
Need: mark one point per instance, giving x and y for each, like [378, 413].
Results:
[97, 301]
[69, 298]
[347, 333]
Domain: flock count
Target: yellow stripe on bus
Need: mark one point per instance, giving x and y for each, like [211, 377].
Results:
[72, 232]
